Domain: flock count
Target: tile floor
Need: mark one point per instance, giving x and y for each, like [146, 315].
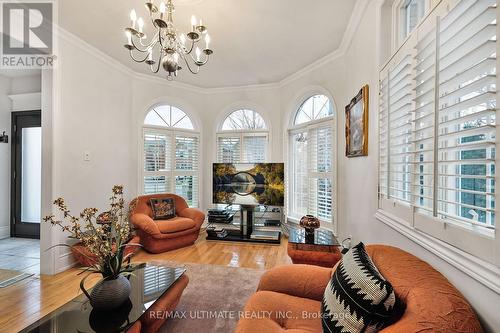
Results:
[21, 254]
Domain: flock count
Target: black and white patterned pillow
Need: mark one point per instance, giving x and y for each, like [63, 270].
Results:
[357, 298]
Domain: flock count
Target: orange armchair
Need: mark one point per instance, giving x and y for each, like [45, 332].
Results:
[164, 235]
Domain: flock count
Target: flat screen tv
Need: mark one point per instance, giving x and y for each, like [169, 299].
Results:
[249, 184]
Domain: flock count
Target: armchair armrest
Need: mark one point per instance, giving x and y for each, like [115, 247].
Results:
[194, 214]
[304, 281]
[144, 223]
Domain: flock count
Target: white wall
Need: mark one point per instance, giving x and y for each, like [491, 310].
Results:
[91, 112]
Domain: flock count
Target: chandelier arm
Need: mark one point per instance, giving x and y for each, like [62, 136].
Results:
[137, 60]
[150, 44]
[192, 47]
[204, 62]
[160, 39]
[137, 47]
[199, 63]
[189, 67]
[158, 65]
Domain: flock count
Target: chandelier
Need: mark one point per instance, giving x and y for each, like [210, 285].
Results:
[167, 48]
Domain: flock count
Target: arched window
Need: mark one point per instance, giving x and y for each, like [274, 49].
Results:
[170, 154]
[312, 162]
[242, 138]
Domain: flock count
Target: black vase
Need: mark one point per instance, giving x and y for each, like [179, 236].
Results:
[110, 294]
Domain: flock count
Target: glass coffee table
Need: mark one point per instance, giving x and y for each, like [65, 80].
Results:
[149, 285]
[321, 249]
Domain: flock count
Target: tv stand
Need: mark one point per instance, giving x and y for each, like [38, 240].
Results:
[246, 230]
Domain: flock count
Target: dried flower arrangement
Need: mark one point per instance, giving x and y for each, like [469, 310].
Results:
[106, 242]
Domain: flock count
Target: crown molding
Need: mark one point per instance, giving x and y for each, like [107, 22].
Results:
[352, 26]
[81, 44]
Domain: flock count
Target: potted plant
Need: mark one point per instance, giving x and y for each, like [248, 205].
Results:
[107, 244]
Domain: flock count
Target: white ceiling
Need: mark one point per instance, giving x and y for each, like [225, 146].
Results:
[254, 41]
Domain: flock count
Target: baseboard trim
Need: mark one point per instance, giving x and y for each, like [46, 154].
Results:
[4, 232]
[478, 269]
[66, 261]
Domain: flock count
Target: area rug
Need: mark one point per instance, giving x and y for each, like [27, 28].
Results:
[213, 299]
[9, 277]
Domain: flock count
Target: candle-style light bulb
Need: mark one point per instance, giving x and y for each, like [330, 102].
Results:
[150, 54]
[193, 22]
[129, 38]
[207, 41]
[133, 17]
[198, 53]
[162, 8]
[183, 39]
[140, 24]
[201, 22]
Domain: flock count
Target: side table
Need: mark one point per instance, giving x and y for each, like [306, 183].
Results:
[322, 250]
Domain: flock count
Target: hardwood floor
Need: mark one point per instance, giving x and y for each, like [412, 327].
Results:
[31, 299]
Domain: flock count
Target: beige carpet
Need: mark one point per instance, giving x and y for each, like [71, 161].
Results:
[9, 277]
[212, 299]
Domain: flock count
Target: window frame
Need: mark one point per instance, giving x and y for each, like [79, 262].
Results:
[241, 134]
[172, 132]
[332, 175]
[399, 21]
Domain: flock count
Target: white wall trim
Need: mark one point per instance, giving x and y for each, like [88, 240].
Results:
[26, 102]
[478, 269]
[66, 261]
[88, 48]
[5, 231]
[352, 26]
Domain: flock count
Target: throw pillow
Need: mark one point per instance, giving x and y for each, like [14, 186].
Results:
[163, 209]
[357, 298]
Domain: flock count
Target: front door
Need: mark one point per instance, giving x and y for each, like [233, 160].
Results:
[26, 174]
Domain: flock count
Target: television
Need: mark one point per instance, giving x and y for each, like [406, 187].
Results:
[249, 184]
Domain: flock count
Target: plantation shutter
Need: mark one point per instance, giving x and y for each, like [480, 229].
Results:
[423, 118]
[400, 105]
[298, 174]
[228, 149]
[320, 157]
[442, 128]
[186, 167]
[254, 148]
[467, 107]
[383, 136]
[157, 162]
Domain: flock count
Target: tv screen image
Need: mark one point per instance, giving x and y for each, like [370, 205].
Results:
[249, 184]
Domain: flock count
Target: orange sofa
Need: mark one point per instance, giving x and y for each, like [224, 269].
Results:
[164, 235]
[292, 294]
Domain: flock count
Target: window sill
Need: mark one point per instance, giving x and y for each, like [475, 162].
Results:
[478, 269]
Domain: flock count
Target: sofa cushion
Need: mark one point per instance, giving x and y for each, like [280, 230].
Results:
[272, 312]
[357, 298]
[176, 224]
[163, 208]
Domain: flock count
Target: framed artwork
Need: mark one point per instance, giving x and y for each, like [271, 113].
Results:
[356, 125]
